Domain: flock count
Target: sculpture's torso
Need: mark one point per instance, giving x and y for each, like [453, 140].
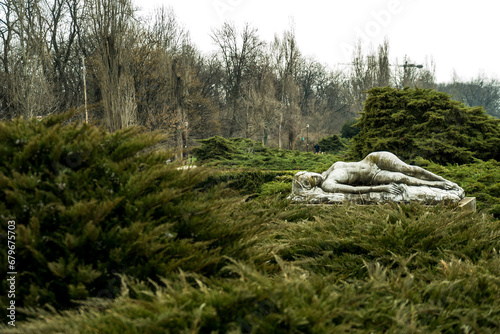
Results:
[353, 173]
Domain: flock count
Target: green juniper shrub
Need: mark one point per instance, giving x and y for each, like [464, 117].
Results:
[282, 187]
[331, 144]
[185, 251]
[245, 181]
[425, 123]
[480, 179]
[214, 148]
[350, 129]
[386, 269]
[246, 153]
[91, 205]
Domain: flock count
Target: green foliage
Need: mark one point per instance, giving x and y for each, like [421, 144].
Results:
[425, 123]
[192, 252]
[331, 144]
[282, 186]
[246, 181]
[246, 153]
[91, 205]
[322, 269]
[214, 148]
[349, 129]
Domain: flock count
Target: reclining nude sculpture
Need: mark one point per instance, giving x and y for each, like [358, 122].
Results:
[379, 177]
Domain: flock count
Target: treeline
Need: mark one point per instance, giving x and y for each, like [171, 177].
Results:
[146, 71]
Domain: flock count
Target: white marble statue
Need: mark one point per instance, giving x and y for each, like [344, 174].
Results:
[379, 177]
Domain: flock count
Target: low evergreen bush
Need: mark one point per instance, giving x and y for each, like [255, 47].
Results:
[320, 270]
[245, 181]
[331, 144]
[91, 206]
[214, 148]
[112, 239]
[246, 153]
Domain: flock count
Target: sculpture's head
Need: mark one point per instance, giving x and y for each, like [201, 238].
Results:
[306, 180]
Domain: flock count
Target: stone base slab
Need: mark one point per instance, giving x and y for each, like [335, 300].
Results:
[467, 204]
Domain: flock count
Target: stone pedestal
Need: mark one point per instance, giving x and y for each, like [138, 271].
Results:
[467, 204]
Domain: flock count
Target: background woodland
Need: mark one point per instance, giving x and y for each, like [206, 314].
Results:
[146, 71]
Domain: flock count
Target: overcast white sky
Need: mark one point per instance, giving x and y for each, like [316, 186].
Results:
[459, 35]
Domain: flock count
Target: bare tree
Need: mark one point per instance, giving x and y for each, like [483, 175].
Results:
[427, 75]
[287, 63]
[384, 72]
[479, 91]
[239, 53]
[64, 28]
[7, 22]
[40, 58]
[413, 74]
[113, 34]
[310, 75]
[364, 75]
[333, 106]
[28, 59]
[165, 31]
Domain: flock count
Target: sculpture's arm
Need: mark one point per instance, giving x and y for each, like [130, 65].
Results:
[334, 187]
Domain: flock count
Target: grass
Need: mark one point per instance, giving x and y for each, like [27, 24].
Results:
[220, 249]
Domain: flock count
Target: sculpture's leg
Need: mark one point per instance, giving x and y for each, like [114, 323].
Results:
[387, 177]
[421, 173]
[389, 162]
